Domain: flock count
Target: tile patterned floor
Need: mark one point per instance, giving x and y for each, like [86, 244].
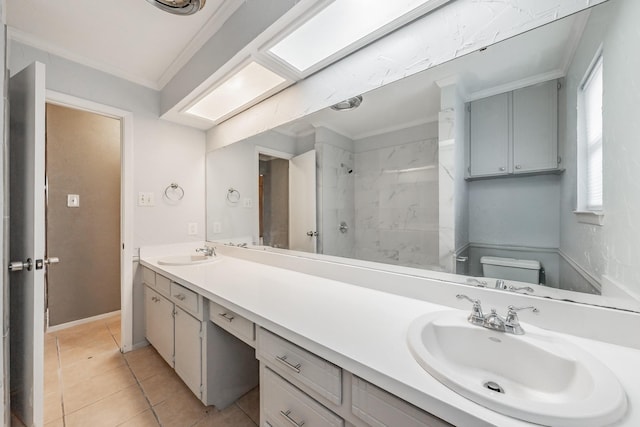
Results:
[88, 382]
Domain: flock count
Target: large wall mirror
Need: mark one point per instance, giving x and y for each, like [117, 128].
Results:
[514, 167]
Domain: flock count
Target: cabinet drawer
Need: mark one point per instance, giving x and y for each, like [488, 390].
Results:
[148, 277]
[232, 323]
[304, 368]
[379, 408]
[284, 405]
[186, 299]
[163, 285]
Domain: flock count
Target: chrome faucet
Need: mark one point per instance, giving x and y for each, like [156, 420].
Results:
[479, 283]
[509, 324]
[207, 251]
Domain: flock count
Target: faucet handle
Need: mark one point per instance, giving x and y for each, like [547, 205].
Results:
[477, 316]
[512, 323]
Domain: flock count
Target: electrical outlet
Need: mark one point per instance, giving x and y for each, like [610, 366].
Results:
[192, 228]
[217, 227]
[247, 203]
[146, 199]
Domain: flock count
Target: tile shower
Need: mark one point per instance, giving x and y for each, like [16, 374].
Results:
[385, 188]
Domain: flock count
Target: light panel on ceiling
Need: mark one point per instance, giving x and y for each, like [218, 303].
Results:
[342, 27]
[249, 85]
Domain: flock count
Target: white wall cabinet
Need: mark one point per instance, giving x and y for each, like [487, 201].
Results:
[515, 132]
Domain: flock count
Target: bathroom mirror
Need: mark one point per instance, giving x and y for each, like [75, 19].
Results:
[396, 185]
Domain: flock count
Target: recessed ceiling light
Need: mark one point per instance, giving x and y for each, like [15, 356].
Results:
[249, 85]
[348, 104]
[342, 27]
[179, 7]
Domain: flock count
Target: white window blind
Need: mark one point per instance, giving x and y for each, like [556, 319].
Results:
[592, 92]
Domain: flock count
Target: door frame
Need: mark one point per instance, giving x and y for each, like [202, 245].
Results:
[256, 176]
[126, 202]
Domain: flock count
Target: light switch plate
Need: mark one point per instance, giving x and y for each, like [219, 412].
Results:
[73, 200]
[146, 199]
[217, 227]
[247, 203]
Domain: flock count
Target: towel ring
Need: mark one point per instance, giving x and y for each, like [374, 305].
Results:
[233, 195]
[174, 192]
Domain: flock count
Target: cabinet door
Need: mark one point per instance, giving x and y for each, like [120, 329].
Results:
[490, 136]
[159, 323]
[188, 355]
[535, 128]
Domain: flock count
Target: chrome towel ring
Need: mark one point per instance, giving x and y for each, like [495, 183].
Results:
[233, 195]
[174, 192]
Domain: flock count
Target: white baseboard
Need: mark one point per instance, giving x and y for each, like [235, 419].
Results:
[81, 321]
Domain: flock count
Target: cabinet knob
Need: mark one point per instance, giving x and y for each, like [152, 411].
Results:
[502, 169]
[518, 166]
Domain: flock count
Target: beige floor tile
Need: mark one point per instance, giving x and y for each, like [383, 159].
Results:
[145, 419]
[113, 323]
[165, 385]
[74, 373]
[110, 411]
[85, 352]
[181, 411]
[52, 405]
[98, 387]
[146, 362]
[55, 423]
[250, 404]
[232, 416]
[85, 340]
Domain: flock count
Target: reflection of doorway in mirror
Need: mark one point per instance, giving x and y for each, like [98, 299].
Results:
[273, 201]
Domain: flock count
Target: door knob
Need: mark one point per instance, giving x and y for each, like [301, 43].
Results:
[19, 265]
[312, 233]
[52, 260]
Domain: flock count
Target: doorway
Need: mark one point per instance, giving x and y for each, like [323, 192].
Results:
[83, 167]
[273, 197]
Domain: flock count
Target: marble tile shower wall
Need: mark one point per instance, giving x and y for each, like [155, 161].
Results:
[396, 204]
[336, 189]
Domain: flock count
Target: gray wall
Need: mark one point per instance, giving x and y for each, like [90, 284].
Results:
[83, 157]
[518, 211]
[610, 249]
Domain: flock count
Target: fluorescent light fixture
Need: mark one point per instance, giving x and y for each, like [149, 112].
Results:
[249, 85]
[344, 26]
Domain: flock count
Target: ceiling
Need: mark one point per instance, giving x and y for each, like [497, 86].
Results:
[529, 58]
[128, 38]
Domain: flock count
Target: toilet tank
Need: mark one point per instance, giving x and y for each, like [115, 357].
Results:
[522, 270]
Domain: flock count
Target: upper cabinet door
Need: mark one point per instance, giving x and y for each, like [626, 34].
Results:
[535, 128]
[490, 128]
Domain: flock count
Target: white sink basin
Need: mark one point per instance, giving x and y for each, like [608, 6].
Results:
[187, 259]
[536, 377]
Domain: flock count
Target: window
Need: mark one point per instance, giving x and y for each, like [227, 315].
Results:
[590, 97]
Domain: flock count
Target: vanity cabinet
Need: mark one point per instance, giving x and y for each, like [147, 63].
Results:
[188, 350]
[216, 366]
[298, 387]
[515, 132]
[159, 320]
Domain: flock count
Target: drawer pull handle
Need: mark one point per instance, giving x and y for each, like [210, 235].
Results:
[285, 362]
[287, 416]
[181, 297]
[226, 316]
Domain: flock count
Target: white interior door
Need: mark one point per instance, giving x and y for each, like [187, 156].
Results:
[302, 202]
[27, 92]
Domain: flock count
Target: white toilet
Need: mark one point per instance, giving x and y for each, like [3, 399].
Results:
[522, 270]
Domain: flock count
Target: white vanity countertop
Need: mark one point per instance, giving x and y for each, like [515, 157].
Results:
[364, 331]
